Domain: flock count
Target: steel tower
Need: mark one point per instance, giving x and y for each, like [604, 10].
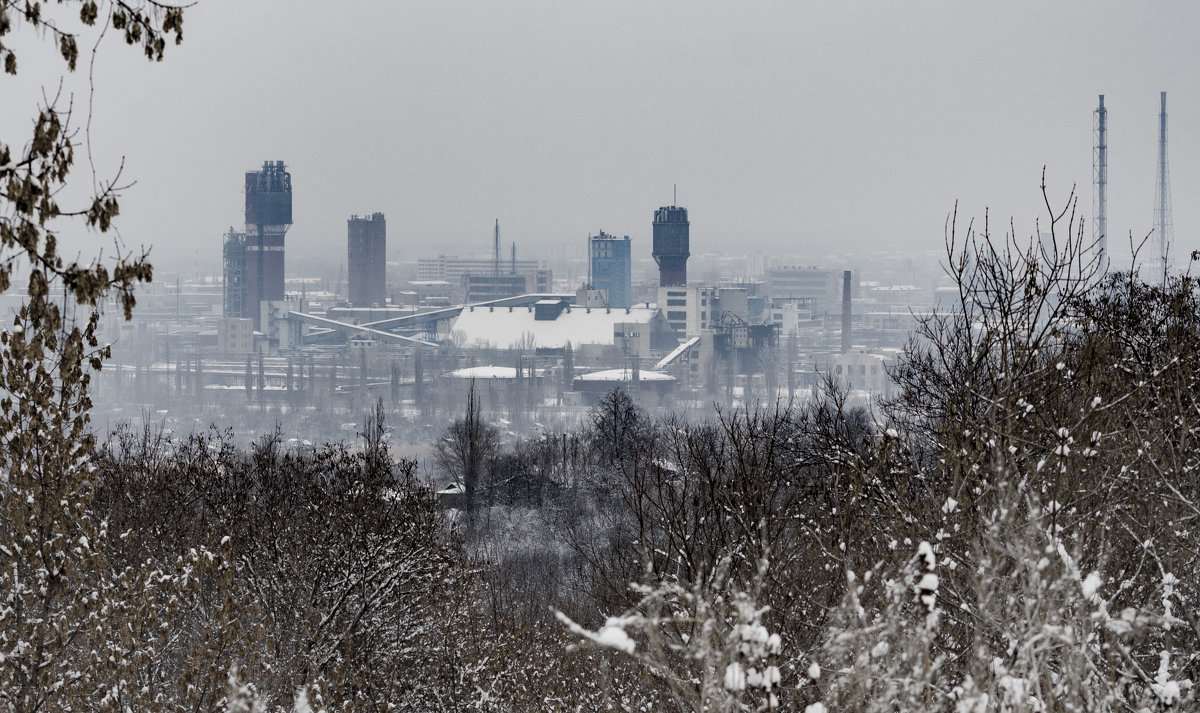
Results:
[233, 253]
[1162, 195]
[1100, 183]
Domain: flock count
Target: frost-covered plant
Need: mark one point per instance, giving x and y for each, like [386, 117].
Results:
[881, 652]
[1034, 633]
[73, 634]
[705, 645]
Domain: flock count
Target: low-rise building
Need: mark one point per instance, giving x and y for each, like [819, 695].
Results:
[235, 335]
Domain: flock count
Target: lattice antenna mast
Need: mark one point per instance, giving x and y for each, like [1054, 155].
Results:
[496, 250]
[1162, 194]
[1100, 182]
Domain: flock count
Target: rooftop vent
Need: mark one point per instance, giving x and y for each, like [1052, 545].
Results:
[548, 310]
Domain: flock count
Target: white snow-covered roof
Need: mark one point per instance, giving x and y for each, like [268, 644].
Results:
[491, 372]
[624, 375]
[501, 328]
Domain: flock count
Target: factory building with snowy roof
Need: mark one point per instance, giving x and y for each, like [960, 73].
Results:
[551, 324]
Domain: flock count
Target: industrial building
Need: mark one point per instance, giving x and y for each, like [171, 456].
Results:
[233, 262]
[671, 247]
[451, 269]
[268, 217]
[688, 309]
[816, 284]
[611, 266]
[235, 335]
[554, 323]
[366, 259]
[488, 287]
[593, 386]
[790, 314]
[470, 280]
[432, 293]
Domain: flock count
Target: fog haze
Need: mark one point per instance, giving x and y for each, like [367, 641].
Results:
[789, 128]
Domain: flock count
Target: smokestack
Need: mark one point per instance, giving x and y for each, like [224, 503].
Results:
[846, 312]
[496, 250]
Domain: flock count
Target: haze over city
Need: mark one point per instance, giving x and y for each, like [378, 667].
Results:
[799, 128]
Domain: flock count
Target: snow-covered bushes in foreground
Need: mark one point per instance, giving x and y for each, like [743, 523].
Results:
[1018, 535]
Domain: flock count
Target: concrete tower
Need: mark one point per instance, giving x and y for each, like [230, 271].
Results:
[268, 217]
[671, 245]
[366, 253]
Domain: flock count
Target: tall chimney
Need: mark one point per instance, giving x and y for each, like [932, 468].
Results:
[1100, 189]
[846, 312]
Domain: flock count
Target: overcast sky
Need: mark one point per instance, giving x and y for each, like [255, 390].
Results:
[791, 127]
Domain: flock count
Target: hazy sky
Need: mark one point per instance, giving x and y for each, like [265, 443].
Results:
[790, 127]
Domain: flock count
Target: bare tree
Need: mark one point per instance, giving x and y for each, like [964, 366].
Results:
[467, 447]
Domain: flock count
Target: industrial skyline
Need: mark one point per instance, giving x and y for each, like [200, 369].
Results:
[254, 267]
[801, 126]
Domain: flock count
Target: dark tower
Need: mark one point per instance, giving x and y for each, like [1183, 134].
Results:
[366, 247]
[670, 251]
[268, 217]
[846, 314]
